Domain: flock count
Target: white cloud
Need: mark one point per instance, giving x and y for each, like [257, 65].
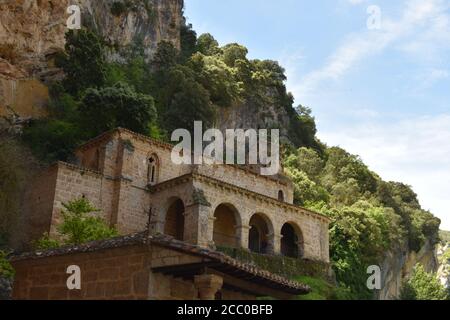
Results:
[355, 2]
[430, 17]
[432, 76]
[415, 151]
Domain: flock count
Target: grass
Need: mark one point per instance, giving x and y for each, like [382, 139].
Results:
[321, 289]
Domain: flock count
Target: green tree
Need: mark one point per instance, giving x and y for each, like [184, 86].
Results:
[233, 52]
[306, 191]
[207, 45]
[188, 41]
[423, 286]
[166, 56]
[84, 62]
[6, 270]
[52, 140]
[216, 77]
[80, 225]
[306, 160]
[188, 101]
[117, 106]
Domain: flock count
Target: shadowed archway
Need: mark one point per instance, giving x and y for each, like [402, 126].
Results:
[260, 238]
[174, 223]
[225, 226]
[291, 241]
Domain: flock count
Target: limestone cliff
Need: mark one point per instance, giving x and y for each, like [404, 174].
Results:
[250, 115]
[398, 266]
[32, 32]
[443, 272]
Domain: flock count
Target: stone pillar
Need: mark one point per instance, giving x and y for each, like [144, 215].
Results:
[243, 232]
[208, 285]
[209, 237]
[300, 249]
[274, 244]
[157, 221]
[198, 225]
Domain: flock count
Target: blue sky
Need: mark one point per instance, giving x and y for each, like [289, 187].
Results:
[381, 93]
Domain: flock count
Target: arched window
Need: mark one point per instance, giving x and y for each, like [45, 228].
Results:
[259, 237]
[254, 241]
[225, 223]
[153, 170]
[174, 224]
[291, 241]
[281, 196]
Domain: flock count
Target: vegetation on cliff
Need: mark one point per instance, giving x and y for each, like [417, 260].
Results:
[423, 286]
[369, 216]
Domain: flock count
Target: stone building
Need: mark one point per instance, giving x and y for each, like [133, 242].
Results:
[145, 267]
[133, 181]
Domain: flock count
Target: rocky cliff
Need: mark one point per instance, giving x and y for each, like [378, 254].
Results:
[32, 33]
[398, 266]
[443, 272]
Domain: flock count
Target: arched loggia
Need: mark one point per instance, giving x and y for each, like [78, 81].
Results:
[260, 239]
[225, 226]
[174, 222]
[291, 241]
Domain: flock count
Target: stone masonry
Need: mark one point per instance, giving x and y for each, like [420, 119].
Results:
[134, 183]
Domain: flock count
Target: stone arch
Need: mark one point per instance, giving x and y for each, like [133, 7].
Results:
[260, 239]
[174, 219]
[292, 240]
[153, 169]
[226, 222]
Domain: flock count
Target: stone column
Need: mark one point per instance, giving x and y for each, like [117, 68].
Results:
[274, 243]
[157, 221]
[208, 285]
[198, 225]
[300, 249]
[243, 232]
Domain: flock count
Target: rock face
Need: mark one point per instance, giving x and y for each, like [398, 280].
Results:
[398, 266]
[32, 32]
[444, 265]
[250, 115]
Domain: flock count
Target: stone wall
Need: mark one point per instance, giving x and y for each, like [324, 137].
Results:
[39, 204]
[269, 186]
[314, 228]
[119, 273]
[120, 189]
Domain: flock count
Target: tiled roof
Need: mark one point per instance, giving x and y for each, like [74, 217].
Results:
[170, 243]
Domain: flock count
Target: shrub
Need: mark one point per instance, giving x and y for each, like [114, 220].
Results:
[79, 226]
[423, 286]
[6, 270]
[117, 106]
[46, 243]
